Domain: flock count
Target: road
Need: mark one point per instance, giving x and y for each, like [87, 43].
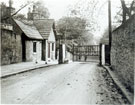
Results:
[74, 83]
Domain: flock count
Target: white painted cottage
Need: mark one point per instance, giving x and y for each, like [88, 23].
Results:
[46, 28]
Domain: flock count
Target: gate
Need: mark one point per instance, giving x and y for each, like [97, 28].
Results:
[85, 52]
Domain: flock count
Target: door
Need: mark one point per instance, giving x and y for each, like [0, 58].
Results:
[43, 50]
[23, 48]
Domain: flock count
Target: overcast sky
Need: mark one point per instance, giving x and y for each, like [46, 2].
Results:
[58, 9]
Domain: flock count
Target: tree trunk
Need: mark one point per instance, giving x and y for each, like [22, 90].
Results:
[123, 10]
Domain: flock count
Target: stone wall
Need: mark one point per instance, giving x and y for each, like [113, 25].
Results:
[11, 47]
[123, 53]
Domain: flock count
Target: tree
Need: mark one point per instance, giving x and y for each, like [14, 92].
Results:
[20, 16]
[128, 9]
[41, 9]
[86, 9]
[73, 28]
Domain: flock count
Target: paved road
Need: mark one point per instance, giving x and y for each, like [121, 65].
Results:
[74, 83]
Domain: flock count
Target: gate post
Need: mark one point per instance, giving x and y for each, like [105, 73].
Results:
[60, 54]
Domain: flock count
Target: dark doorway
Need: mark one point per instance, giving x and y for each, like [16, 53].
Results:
[60, 54]
[23, 48]
[107, 54]
[43, 50]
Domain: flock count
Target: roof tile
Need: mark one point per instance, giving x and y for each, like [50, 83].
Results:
[44, 26]
[29, 29]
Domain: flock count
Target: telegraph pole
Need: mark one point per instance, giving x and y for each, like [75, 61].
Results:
[110, 29]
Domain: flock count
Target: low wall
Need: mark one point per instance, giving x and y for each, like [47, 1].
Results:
[123, 53]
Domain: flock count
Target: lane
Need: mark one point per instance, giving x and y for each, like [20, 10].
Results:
[73, 89]
[74, 83]
[66, 83]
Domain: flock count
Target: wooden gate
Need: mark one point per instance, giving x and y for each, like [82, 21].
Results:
[85, 51]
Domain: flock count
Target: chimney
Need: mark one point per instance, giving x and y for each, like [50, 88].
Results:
[10, 9]
[34, 13]
[10, 3]
[34, 9]
[29, 14]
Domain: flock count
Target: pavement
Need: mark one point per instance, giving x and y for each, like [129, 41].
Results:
[12, 69]
[127, 94]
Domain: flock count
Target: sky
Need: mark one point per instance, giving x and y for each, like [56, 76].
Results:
[58, 9]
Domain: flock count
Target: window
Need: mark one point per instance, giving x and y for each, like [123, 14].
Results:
[52, 46]
[34, 47]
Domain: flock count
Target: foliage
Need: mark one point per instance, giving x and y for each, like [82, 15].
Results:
[86, 9]
[20, 16]
[41, 9]
[73, 28]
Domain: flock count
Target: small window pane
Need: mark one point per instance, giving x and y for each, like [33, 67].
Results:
[52, 46]
[34, 47]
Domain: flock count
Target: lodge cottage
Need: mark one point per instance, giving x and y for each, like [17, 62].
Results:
[31, 41]
[46, 28]
[38, 39]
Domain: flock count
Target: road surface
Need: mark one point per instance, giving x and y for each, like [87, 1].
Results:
[74, 83]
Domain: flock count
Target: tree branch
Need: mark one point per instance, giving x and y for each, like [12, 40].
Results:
[7, 17]
[132, 6]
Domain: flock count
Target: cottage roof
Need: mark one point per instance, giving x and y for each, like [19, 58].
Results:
[44, 26]
[29, 29]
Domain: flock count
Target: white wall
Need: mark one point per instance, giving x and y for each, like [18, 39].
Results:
[30, 55]
[64, 51]
[51, 39]
[103, 54]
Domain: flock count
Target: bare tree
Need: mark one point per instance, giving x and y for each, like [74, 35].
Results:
[86, 9]
[127, 11]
